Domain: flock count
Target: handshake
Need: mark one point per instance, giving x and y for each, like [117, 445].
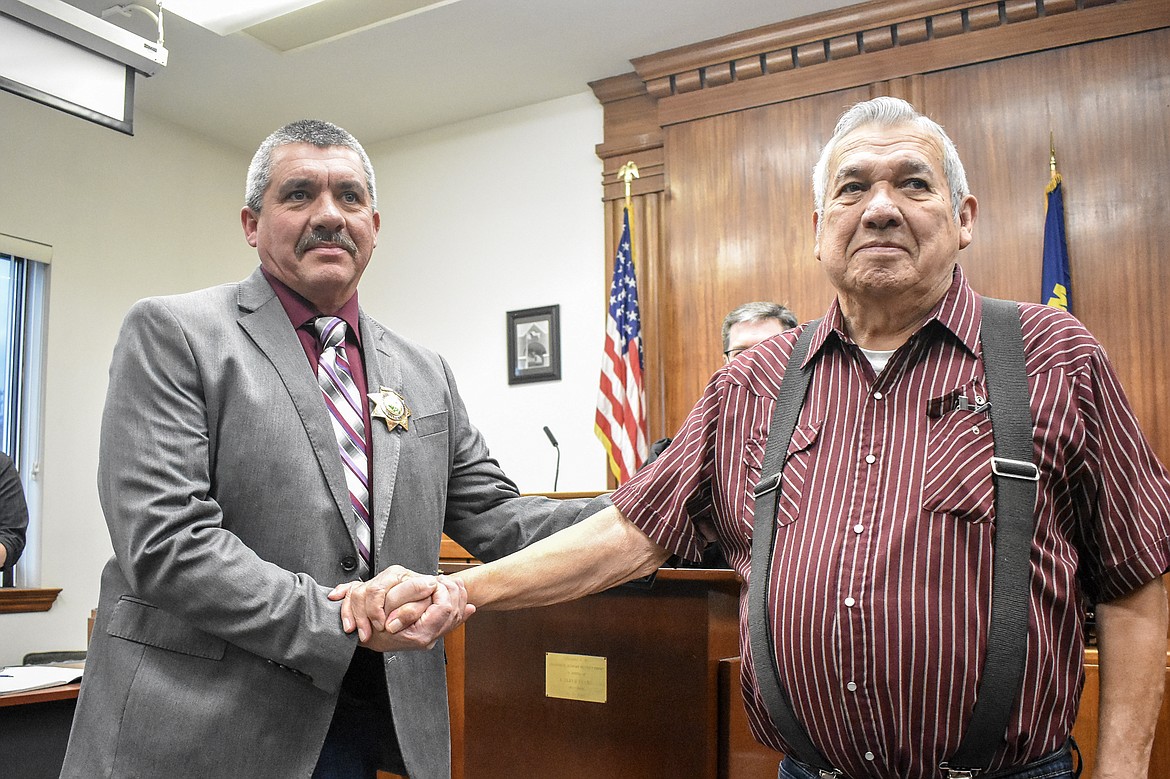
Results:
[400, 610]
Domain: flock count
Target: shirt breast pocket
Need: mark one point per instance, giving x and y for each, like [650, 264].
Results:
[797, 462]
[958, 478]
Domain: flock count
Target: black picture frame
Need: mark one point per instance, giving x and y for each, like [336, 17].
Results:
[534, 344]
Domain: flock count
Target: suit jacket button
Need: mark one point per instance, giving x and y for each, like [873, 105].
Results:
[349, 563]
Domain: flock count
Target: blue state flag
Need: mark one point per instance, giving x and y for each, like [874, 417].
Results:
[1056, 284]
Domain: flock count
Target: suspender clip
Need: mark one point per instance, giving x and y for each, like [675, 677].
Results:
[764, 486]
[1015, 469]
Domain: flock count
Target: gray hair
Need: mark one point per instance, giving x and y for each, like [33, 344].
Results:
[889, 112]
[314, 131]
[756, 312]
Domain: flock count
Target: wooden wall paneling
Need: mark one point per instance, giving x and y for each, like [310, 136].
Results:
[1107, 104]
[632, 134]
[740, 755]
[651, 241]
[910, 89]
[740, 228]
[453, 645]
[897, 40]
[702, 218]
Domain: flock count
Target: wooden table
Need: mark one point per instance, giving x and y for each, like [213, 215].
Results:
[34, 731]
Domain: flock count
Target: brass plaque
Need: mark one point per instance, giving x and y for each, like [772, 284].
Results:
[575, 677]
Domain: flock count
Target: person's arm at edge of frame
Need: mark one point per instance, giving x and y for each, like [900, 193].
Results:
[1131, 635]
[13, 514]
[599, 552]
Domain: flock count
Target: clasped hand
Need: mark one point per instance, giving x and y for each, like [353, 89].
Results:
[399, 609]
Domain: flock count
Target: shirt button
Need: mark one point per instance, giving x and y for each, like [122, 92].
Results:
[975, 430]
[869, 755]
[851, 687]
[849, 602]
[869, 458]
[877, 396]
[859, 528]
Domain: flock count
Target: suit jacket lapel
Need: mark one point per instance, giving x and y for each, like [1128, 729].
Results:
[383, 369]
[265, 321]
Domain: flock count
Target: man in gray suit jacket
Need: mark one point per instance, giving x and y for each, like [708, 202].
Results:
[217, 651]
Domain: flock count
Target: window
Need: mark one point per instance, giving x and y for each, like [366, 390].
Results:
[23, 309]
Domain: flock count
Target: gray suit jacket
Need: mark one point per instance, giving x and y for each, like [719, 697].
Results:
[215, 652]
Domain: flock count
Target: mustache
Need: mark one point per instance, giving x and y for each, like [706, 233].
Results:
[323, 237]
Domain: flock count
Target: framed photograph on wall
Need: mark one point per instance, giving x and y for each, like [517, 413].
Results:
[534, 345]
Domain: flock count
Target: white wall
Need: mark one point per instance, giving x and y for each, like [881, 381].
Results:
[480, 218]
[127, 217]
[489, 216]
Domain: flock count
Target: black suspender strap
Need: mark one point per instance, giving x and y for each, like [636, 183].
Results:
[1016, 478]
[784, 415]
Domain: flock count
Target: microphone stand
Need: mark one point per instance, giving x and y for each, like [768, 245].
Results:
[552, 440]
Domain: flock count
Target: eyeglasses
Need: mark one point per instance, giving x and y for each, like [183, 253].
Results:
[731, 354]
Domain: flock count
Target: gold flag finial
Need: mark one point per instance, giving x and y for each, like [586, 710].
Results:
[628, 173]
[1051, 153]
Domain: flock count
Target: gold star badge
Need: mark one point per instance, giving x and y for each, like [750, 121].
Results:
[389, 406]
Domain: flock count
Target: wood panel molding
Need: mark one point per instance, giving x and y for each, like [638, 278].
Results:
[871, 42]
[632, 134]
[16, 600]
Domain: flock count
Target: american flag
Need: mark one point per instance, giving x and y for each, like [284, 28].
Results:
[621, 415]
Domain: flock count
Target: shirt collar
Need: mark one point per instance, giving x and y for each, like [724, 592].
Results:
[958, 311]
[301, 312]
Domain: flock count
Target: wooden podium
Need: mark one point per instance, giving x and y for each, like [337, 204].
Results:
[650, 652]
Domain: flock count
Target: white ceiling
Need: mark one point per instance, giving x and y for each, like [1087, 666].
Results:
[457, 61]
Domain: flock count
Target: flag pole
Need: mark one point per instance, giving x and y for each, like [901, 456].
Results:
[627, 173]
[620, 421]
[1054, 171]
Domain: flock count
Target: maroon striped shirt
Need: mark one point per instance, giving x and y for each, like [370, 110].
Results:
[885, 523]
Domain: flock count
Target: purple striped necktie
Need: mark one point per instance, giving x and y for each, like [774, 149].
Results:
[344, 402]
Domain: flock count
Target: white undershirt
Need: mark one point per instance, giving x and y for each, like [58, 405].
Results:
[878, 358]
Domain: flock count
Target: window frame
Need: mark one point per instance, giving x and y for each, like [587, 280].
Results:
[25, 437]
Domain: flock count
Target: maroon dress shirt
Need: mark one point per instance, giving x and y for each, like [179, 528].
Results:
[880, 588]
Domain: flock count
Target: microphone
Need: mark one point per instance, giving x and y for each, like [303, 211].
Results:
[552, 439]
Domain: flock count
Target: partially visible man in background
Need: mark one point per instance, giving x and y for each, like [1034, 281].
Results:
[751, 323]
[13, 513]
[746, 326]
